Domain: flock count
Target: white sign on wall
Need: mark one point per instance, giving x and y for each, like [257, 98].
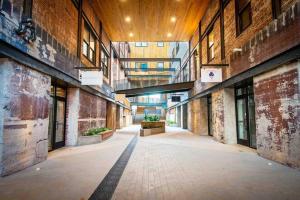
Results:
[211, 75]
[91, 77]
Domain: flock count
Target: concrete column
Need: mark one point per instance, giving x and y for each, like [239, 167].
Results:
[73, 105]
[178, 117]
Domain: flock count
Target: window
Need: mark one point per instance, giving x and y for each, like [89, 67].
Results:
[104, 63]
[141, 44]
[276, 8]
[210, 46]
[160, 65]
[160, 44]
[243, 15]
[89, 44]
[141, 66]
[16, 10]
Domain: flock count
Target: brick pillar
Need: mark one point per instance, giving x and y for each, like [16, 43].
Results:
[223, 116]
[73, 106]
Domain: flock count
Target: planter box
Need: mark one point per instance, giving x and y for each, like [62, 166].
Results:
[94, 139]
[159, 124]
[151, 128]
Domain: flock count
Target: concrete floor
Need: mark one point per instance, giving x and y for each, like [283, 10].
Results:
[175, 165]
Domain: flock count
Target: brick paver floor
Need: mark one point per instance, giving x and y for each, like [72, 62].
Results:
[179, 165]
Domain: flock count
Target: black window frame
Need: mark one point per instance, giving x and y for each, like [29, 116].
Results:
[209, 47]
[276, 8]
[90, 33]
[238, 15]
[104, 64]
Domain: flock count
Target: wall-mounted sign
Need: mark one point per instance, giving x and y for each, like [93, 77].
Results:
[91, 77]
[210, 75]
[175, 98]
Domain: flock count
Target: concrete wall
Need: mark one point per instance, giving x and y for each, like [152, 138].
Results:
[24, 116]
[277, 99]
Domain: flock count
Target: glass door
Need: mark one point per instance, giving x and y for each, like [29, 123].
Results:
[209, 115]
[245, 115]
[57, 113]
[60, 124]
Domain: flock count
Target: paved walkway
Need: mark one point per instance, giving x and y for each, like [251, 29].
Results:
[175, 165]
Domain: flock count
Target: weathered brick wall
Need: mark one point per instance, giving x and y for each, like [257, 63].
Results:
[24, 120]
[223, 116]
[218, 115]
[60, 19]
[92, 112]
[277, 101]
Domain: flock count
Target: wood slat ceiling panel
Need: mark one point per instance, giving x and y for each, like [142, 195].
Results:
[150, 19]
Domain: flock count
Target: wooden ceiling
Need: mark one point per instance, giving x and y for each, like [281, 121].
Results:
[150, 19]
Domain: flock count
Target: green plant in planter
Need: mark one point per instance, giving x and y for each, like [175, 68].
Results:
[151, 118]
[95, 131]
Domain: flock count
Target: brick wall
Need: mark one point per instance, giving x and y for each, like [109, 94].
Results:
[92, 112]
[24, 106]
[60, 19]
[277, 114]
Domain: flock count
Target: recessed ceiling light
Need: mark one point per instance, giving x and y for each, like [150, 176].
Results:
[169, 35]
[173, 19]
[127, 19]
[130, 34]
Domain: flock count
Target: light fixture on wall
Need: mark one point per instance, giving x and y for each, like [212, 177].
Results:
[130, 34]
[169, 34]
[237, 50]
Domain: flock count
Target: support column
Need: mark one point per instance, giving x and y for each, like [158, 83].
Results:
[73, 105]
[223, 116]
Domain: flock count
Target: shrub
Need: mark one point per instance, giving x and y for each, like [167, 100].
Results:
[95, 131]
[151, 118]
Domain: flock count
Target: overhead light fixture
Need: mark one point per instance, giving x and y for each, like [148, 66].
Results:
[130, 34]
[173, 19]
[128, 19]
[169, 35]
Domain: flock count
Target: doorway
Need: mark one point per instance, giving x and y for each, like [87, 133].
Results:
[245, 114]
[209, 116]
[185, 116]
[57, 117]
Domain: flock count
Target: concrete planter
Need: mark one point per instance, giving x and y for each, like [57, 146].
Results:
[94, 139]
[151, 128]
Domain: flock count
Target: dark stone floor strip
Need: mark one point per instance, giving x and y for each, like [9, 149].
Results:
[110, 182]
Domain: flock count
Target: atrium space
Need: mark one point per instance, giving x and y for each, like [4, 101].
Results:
[149, 99]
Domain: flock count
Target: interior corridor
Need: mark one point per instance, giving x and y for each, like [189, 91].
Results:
[173, 165]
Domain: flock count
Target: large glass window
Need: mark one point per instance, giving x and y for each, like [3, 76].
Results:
[141, 44]
[243, 15]
[104, 61]
[89, 44]
[141, 66]
[160, 44]
[210, 46]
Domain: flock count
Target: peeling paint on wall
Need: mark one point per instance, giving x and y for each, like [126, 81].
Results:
[277, 114]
